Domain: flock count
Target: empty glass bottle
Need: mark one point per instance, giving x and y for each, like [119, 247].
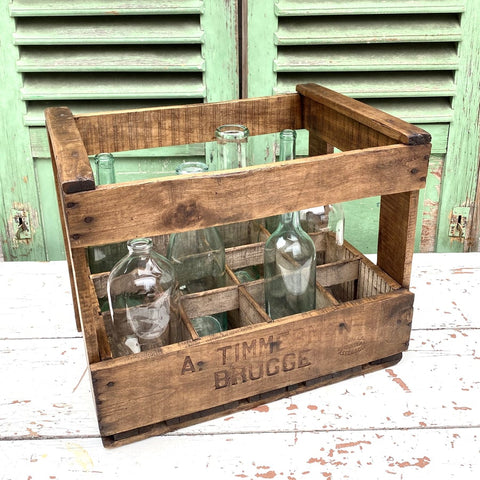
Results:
[323, 219]
[198, 256]
[286, 152]
[316, 219]
[232, 146]
[289, 264]
[102, 258]
[142, 292]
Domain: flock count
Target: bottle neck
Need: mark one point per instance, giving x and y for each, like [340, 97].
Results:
[290, 220]
[287, 145]
[232, 146]
[140, 246]
[105, 164]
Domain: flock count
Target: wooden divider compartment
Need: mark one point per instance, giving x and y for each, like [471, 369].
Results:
[364, 311]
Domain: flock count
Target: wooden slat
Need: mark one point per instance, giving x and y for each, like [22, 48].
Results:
[362, 7]
[86, 301]
[381, 85]
[337, 272]
[153, 207]
[91, 86]
[113, 58]
[335, 121]
[421, 110]
[338, 338]
[353, 58]
[159, 127]
[113, 30]
[396, 235]
[210, 301]
[327, 348]
[20, 8]
[73, 169]
[368, 29]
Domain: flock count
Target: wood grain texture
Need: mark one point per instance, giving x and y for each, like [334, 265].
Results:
[396, 235]
[178, 125]
[346, 110]
[72, 165]
[88, 307]
[211, 372]
[118, 212]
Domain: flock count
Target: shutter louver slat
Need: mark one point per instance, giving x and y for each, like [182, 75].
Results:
[104, 86]
[367, 29]
[363, 7]
[388, 84]
[94, 7]
[114, 30]
[115, 58]
[379, 57]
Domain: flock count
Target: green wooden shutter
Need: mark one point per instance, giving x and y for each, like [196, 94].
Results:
[96, 56]
[400, 56]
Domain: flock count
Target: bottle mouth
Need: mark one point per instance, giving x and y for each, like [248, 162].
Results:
[232, 132]
[140, 244]
[191, 167]
[288, 133]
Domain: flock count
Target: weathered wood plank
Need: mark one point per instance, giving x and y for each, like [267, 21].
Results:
[111, 213]
[178, 125]
[288, 356]
[340, 114]
[68, 151]
[396, 235]
[413, 454]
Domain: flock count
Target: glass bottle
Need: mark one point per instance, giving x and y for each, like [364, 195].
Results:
[289, 264]
[316, 219]
[198, 256]
[141, 292]
[324, 219]
[232, 146]
[287, 152]
[102, 258]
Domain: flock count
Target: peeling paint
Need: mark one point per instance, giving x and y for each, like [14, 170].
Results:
[421, 462]
[262, 408]
[398, 380]
[352, 444]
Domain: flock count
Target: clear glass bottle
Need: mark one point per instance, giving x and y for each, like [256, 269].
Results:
[232, 146]
[287, 150]
[316, 219]
[142, 297]
[289, 265]
[324, 219]
[198, 256]
[102, 258]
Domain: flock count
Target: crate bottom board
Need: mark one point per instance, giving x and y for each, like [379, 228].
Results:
[161, 428]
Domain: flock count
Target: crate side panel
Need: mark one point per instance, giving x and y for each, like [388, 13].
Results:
[350, 110]
[152, 387]
[112, 213]
[185, 124]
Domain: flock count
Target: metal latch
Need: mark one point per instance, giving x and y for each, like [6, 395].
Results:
[458, 222]
[21, 221]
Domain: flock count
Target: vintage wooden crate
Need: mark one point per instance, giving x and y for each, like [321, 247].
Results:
[364, 313]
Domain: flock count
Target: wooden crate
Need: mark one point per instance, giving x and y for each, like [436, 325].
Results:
[364, 313]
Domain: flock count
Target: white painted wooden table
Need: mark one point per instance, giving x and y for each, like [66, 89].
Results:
[417, 420]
